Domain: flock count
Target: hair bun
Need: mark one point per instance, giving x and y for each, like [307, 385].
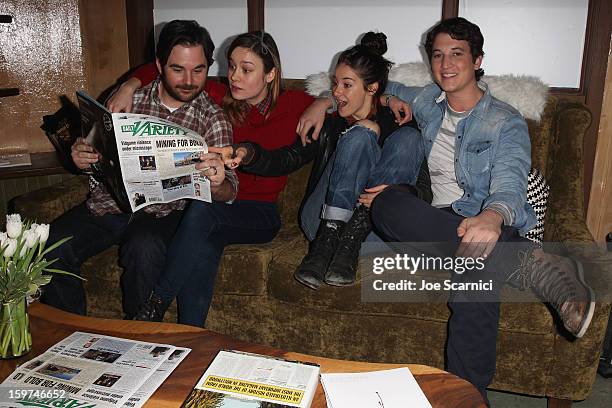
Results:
[375, 42]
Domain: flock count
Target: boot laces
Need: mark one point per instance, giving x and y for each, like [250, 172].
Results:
[354, 233]
[554, 281]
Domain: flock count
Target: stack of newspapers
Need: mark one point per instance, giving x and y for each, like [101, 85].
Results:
[92, 370]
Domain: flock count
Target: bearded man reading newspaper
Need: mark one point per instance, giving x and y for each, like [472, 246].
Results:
[184, 54]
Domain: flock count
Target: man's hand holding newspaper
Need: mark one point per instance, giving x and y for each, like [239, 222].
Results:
[211, 166]
[83, 154]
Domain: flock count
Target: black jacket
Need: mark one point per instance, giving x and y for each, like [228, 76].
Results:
[287, 159]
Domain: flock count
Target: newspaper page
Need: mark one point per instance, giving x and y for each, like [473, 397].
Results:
[157, 378]
[144, 160]
[238, 379]
[158, 160]
[86, 370]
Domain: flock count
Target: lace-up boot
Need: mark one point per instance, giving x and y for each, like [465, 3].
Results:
[343, 268]
[314, 265]
[559, 281]
[153, 310]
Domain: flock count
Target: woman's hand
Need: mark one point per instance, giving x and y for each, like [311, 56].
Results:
[121, 100]
[479, 234]
[83, 154]
[397, 106]
[370, 194]
[211, 166]
[227, 155]
[312, 117]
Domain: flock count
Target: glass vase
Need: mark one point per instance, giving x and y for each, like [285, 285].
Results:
[15, 337]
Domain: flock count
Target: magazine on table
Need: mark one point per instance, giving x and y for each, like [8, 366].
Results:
[144, 159]
[240, 380]
[92, 370]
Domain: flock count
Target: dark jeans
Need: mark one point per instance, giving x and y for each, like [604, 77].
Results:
[399, 216]
[195, 252]
[143, 240]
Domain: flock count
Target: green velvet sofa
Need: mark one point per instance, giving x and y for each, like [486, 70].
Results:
[257, 299]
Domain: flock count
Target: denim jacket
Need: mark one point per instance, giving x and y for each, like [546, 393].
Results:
[492, 152]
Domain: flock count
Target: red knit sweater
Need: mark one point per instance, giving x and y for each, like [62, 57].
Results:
[277, 130]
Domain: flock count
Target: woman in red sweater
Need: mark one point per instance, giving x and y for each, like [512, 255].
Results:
[260, 112]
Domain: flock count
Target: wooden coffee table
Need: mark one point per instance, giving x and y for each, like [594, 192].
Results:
[49, 325]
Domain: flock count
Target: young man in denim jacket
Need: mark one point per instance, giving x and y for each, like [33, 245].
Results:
[479, 157]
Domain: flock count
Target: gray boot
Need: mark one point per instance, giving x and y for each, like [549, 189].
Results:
[559, 281]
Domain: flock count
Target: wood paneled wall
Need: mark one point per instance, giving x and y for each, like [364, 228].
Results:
[599, 216]
[105, 43]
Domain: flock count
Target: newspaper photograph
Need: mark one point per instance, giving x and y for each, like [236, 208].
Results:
[144, 159]
[92, 370]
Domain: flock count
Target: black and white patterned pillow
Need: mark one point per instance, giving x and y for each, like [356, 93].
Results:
[538, 191]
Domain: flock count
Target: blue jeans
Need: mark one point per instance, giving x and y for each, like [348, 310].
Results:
[197, 246]
[359, 162]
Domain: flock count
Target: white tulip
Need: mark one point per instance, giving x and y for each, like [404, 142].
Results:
[43, 232]
[23, 251]
[30, 237]
[10, 245]
[13, 225]
[3, 237]
[33, 226]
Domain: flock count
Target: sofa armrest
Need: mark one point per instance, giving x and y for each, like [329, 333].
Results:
[565, 219]
[46, 204]
[568, 226]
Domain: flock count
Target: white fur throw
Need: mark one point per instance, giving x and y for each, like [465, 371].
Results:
[527, 94]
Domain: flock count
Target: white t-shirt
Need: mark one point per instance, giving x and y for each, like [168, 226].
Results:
[441, 161]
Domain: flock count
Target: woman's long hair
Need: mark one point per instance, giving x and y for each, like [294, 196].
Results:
[262, 44]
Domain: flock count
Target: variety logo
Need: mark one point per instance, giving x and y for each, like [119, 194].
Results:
[148, 128]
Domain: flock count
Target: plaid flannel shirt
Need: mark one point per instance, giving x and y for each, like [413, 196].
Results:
[201, 115]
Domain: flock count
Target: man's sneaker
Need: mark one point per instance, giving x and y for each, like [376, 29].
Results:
[153, 310]
[343, 268]
[314, 265]
[560, 281]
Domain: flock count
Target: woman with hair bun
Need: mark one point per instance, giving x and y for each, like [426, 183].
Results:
[355, 150]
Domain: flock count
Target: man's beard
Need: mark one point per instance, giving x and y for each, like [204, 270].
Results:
[178, 96]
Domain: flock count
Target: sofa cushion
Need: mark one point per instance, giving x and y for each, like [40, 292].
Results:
[244, 269]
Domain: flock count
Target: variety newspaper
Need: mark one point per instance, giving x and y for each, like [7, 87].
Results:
[240, 379]
[92, 370]
[144, 159]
